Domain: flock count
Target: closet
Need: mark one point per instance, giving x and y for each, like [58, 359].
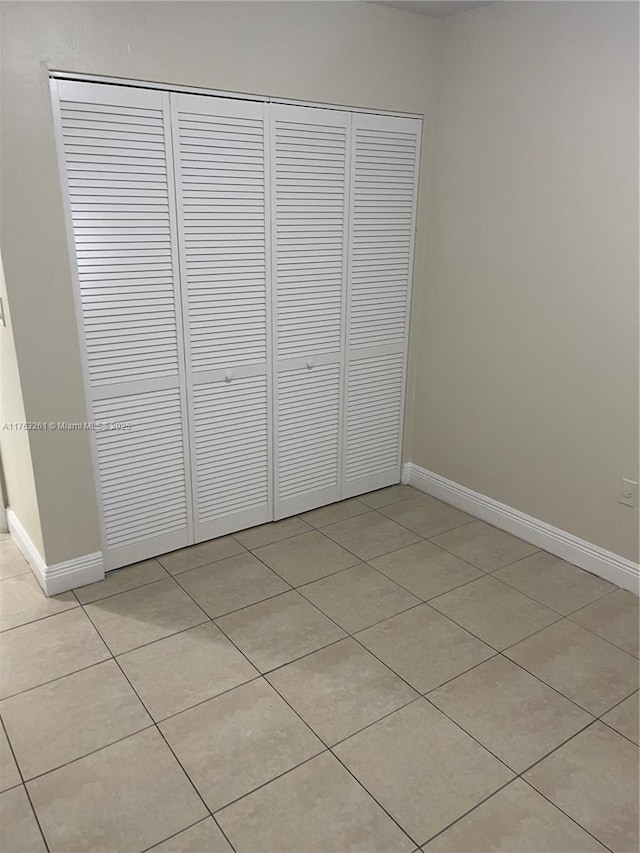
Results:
[242, 279]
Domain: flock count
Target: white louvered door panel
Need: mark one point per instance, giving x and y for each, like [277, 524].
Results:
[221, 168]
[385, 154]
[115, 149]
[310, 165]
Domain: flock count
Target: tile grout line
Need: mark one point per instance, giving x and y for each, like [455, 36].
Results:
[603, 639]
[615, 731]
[485, 574]
[180, 831]
[468, 812]
[361, 560]
[323, 751]
[6, 631]
[324, 614]
[426, 538]
[613, 707]
[282, 539]
[321, 740]
[122, 591]
[53, 680]
[522, 773]
[590, 723]
[158, 729]
[550, 686]
[498, 651]
[330, 750]
[566, 814]
[423, 600]
[77, 758]
[348, 634]
[365, 627]
[307, 726]
[477, 568]
[200, 702]
[23, 785]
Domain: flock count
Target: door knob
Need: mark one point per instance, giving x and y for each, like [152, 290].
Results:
[309, 364]
[228, 376]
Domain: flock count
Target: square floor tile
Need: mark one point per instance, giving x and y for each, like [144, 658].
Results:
[390, 495]
[615, 618]
[126, 796]
[358, 597]
[279, 630]
[316, 808]
[426, 570]
[422, 768]
[341, 689]
[554, 582]
[240, 740]
[142, 615]
[204, 837]
[586, 669]
[624, 718]
[47, 649]
[484, 546]
[68, 718]
[200, 554]
[594, 779]
[495, 612]
[518, 718]
[426, 516]
[424, 647]
[22, 600]
[265, 534]
[19, 832]
[121, 580]
[304, 558]
[12, 561]
[173, 674]
[515, 820]
[334, 512]
[9, 775]
[370, 535]
[231, 584]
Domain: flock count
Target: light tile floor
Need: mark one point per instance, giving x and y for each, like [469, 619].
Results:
[386, 674]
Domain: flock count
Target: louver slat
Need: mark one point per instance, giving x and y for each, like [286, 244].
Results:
[222, 205]
[116, 152]
[385, 157]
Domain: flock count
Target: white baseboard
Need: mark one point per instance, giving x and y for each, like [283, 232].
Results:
[59, 577]
[620, 571]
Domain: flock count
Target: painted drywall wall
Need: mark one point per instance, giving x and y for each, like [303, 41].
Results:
[527, 358]
[356, 54]
[15, 451]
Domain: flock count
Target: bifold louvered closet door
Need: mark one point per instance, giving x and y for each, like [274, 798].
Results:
[222, 197]
[115, 143]
[385, 152]
[309, 231]
[243, 274]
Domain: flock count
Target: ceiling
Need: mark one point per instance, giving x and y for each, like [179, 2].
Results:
[437, 10]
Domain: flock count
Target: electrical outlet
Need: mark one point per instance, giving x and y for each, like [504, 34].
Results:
[628, 492]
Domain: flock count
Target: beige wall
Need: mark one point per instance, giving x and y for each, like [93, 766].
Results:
[527, 359]
[15, 452]
[344, 53]
[523, 371]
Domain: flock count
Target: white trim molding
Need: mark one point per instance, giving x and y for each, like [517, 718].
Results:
[618, 570]
[58, 577]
